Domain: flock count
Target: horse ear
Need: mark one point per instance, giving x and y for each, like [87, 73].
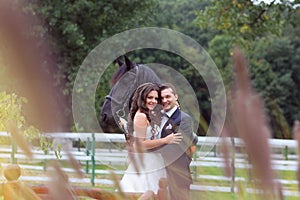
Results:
[119, 61]
[128, 63]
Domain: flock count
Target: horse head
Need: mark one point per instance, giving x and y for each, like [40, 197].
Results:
[124, 82]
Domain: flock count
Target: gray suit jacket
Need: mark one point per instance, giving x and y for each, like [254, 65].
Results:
[175, 157]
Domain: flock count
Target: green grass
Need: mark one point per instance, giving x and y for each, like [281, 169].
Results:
[246, 174]
[205, 195]
[211, 195]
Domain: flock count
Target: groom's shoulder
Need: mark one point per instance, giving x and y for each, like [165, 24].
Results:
[184, 114]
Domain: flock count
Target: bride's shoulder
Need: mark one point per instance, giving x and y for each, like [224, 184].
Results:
[140, 118]
[140, 115]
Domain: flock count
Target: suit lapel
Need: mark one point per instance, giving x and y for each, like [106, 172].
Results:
[173, 121]
[176, 117]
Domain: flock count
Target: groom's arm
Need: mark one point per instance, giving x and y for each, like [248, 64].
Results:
[190, 138]
[186, 128]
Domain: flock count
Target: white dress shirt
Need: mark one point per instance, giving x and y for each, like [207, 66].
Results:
[165, 118]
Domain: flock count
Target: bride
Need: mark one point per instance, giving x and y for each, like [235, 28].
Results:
[146, 166]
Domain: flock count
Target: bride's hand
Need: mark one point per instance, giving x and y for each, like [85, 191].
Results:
[173, 138]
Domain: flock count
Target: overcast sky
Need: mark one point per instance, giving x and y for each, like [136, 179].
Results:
[268, 1]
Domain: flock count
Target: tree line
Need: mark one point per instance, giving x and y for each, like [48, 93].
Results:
[269, 34]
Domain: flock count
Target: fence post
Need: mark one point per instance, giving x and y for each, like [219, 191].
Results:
[215, 150]
[110, 145]
[79, 142]
[286, 152]
[195, 167]
[45, 165]
[93, 160]
[232, 165]
[14, 149]
[87, 151]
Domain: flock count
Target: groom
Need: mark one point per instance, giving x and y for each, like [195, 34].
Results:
[176, 156]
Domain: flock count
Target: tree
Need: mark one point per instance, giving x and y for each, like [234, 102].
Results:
[246, 20]
[74, 28]
[260, 28]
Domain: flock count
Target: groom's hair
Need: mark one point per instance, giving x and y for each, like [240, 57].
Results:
[168, 86]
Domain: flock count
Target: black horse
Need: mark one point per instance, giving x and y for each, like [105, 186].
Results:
[125, 80]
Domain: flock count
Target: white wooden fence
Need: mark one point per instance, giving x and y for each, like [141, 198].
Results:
[109, 149]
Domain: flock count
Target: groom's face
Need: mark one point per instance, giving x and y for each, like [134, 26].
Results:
[168, 99]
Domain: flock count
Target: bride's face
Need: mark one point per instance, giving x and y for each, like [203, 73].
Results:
[152, 100]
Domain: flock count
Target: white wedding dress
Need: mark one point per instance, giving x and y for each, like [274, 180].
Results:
[149, 173]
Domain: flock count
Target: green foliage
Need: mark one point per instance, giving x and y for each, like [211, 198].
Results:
[74, 28]
[268, 33]
[58, 152]
[245, 20]
[180, 15]
[45, 144]
[273, 70]
[219, 49]
[11, 110]
[77, 27]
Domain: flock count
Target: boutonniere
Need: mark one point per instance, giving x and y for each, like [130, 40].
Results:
[169, 126]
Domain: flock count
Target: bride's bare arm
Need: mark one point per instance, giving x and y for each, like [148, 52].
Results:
[140, 128]
[173, 138]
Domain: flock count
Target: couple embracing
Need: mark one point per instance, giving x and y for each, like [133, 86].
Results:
[162, 142]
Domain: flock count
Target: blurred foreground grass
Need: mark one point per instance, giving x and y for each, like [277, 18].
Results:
[243, 174]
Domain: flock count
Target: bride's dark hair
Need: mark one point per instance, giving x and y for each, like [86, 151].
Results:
[138, 101]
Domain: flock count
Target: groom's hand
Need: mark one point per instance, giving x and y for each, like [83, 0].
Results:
[173, 138]
[190, 151]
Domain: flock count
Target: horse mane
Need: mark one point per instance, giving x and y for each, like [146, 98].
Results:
[123, 68]
[146, 73]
